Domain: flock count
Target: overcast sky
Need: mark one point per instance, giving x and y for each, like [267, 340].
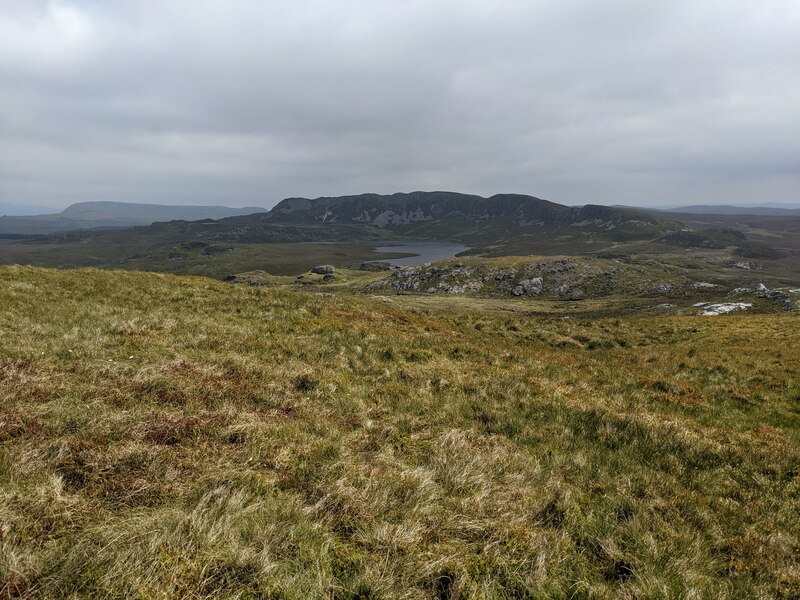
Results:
[247, 102]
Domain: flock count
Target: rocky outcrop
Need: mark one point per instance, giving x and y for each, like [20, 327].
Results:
[663, 287]
[450, 279]
[744, 264]
[324, 270]
[559, 278]
[564, 278]
[528, 287]
[712, 310]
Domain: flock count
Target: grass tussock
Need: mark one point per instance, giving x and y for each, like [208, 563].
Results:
[170, 437]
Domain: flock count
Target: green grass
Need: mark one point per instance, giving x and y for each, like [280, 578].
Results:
[177, 437]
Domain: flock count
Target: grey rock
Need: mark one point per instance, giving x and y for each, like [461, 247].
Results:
[712, 310]
[761, 291]
[453, 289]
[503, 275]
[528, 287]
[324, 269]
[662, 288]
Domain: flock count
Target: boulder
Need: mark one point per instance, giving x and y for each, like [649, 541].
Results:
[777, 295]
[324, 269]
[528, 287]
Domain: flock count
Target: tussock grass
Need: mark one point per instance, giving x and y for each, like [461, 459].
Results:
[177, 437]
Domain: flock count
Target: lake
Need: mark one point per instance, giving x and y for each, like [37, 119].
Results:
[423, 252]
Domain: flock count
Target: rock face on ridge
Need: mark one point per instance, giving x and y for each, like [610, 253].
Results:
[449, 211]
[563, 278]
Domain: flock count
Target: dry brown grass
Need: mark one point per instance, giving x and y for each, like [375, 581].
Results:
[177, 437]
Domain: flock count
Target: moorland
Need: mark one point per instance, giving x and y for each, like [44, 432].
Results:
[563, 411]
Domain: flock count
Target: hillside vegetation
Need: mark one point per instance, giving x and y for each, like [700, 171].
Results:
[179, 437]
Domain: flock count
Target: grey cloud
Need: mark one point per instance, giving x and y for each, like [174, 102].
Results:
[240, 103]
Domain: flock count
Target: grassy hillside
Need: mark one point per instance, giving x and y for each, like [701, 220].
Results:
[165, 436]
[148, 251]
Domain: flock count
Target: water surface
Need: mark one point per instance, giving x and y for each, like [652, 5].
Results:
[423, 252]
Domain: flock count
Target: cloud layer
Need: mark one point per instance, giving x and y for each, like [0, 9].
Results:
[247, 102]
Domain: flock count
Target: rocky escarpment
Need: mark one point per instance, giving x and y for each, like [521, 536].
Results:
[584, 278]
[564, 278]
[439, 212]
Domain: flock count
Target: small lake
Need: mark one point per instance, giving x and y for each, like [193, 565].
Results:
[423, 252]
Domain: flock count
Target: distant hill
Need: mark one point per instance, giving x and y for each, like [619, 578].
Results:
[14, 209]
[452, 215]
[105, 215]
[723, 209]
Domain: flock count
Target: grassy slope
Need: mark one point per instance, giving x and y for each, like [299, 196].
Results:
[146, 255]
[178, 437]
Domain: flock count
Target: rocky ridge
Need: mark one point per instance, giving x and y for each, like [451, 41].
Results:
[426, 212]
[576, 279]
[564, 278]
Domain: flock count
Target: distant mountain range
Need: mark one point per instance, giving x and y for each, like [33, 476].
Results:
[430, 215]
[500, 225]
[769, 209]
[425, 214]
[14, 209]
[105, 215]
[722, 209]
